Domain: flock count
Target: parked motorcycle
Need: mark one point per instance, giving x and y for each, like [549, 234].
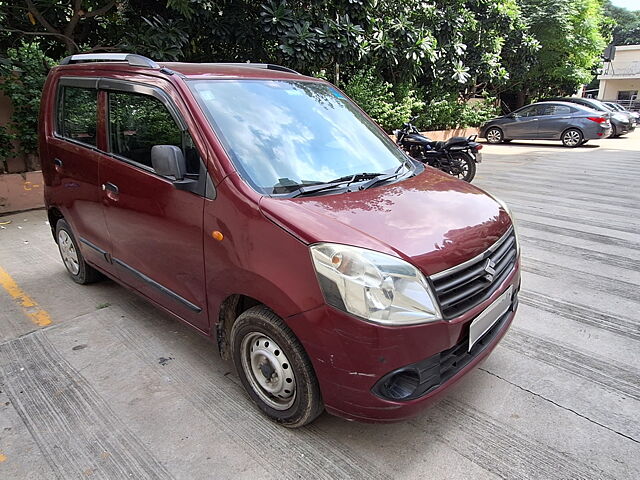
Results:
[456, 156]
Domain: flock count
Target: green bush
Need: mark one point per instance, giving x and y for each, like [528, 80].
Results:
[22, 77]
[376, 97]
[451, 112]
[6, 148]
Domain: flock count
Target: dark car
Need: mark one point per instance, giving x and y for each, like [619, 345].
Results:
[635, 116]
[264, 209]
[621, 123]
[572, 124]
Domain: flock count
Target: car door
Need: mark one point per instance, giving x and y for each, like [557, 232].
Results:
[524, 124]
[554, 120]
[154, 227]
[73, 149]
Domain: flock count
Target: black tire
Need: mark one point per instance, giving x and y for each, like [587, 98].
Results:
[80, 272]
[614, 131]
[572, 138]
[265, 350]
[507, 140]
[494, 135]
[463, 166]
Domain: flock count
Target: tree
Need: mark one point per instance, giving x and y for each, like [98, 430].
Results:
[72, 22]
[571, 35]
[627, 24]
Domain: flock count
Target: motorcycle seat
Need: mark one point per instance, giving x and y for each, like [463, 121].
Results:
[456, 141]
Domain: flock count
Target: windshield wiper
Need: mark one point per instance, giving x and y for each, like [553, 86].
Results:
[338, 182]
[374, 178]
[383, 178]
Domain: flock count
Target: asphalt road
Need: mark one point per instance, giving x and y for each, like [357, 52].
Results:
[95, 383]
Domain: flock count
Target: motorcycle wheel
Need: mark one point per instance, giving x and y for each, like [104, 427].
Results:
[462, 166]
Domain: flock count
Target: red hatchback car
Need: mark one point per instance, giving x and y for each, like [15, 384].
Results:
[266, 210]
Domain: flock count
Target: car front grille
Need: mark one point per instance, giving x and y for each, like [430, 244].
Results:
[466, 285]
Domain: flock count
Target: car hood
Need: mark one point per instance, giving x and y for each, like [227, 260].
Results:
[432, 220]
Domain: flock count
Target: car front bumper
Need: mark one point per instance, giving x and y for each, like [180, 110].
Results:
[352, 358]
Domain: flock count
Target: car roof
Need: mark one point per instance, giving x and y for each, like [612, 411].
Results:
[551, 102]
[93, 63]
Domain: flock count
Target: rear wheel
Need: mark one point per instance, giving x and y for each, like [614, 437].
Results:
[274, 368]
[79, 270]
[494, 135]
[463, 166]
[572, 138]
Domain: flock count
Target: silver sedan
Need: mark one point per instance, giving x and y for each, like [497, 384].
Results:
[570, 123]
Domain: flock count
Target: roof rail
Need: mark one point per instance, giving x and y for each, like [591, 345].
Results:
[267, 66]
[131, 58]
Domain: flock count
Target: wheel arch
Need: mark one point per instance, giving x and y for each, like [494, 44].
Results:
[54, 215]
[230, 309]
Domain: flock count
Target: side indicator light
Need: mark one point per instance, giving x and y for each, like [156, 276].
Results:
[217, 235]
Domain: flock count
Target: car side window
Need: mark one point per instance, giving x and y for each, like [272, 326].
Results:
[138, 122]
[530, 111]
[78, 114]
[558, 110]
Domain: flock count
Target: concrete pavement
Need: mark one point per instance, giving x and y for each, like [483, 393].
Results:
[112, 388]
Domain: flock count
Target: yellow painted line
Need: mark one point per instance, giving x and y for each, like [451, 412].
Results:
[31, 309]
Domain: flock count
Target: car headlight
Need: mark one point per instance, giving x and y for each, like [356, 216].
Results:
[513, 219]
[372, 285]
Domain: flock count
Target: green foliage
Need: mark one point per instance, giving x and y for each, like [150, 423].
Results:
[453, 112]
[626, 30]
[6, 147]
[571, 35]
[376, 97]
[382, 51]
[21, 79]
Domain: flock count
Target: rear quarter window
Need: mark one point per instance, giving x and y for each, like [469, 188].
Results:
[78, 114]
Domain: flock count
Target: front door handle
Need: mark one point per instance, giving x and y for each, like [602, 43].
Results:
[110, 187]
[111, 191]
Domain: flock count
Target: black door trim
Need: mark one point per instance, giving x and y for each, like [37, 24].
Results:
[158, 286]
[143, 277]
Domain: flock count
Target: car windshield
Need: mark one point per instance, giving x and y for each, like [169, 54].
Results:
[283, 134]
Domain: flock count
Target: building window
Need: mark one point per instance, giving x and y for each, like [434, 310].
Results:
[627, 95]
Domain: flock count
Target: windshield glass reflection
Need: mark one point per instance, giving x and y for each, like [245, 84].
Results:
[282, 133]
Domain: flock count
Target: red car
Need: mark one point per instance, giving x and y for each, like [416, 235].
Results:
[267, 211]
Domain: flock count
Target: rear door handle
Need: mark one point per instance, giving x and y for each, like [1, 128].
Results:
[58, 164]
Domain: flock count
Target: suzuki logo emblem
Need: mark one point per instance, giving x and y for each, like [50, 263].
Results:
[489, 268]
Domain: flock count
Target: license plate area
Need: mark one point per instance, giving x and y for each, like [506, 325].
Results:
[483, 322]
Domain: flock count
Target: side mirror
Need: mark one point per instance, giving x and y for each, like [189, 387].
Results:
[168, 161]
[512, 115]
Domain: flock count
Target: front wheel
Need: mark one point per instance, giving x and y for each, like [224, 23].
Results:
[572, 138]
[274, 368]
[462, 166]
[494, 135]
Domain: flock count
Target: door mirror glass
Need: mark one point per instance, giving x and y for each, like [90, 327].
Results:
[168, 161]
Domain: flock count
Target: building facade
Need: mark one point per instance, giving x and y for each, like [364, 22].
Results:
[620, 79]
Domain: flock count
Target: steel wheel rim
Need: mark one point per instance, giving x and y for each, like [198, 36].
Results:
[494, 136]
[571, 138]
[68, 252]
[268, 370]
